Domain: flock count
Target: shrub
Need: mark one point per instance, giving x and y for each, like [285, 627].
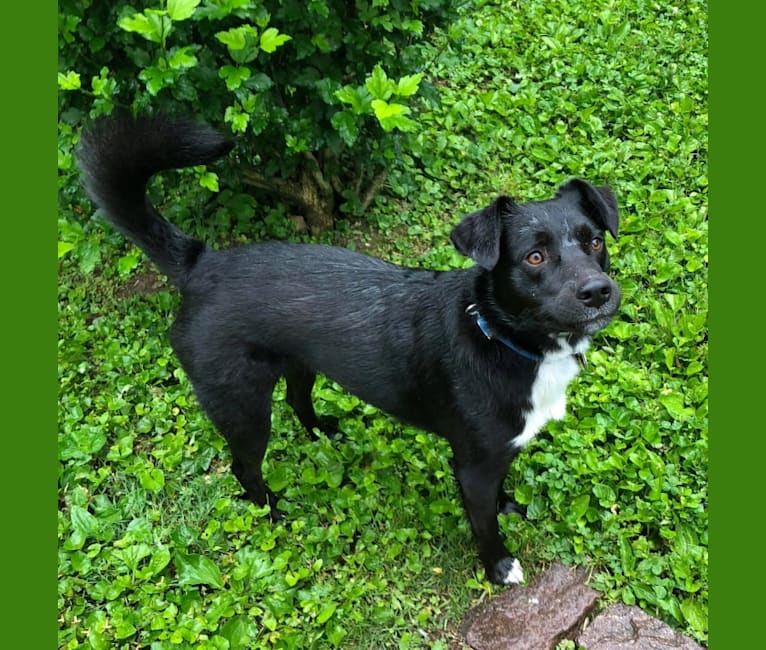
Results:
[319, 92]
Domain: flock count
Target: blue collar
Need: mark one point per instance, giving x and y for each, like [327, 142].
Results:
[487, 331]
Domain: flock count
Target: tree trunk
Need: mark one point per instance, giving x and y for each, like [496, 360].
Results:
[317, 199]
[312, 195]
[309, 192]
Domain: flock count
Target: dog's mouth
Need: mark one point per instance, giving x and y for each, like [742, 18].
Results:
[593, 325]
[587, 323]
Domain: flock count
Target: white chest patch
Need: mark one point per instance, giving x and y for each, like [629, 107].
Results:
[548, 397]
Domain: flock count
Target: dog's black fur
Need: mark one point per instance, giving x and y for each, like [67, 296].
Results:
[405, 340]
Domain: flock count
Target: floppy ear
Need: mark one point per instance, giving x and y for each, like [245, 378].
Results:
[599, 202]
[478, 235]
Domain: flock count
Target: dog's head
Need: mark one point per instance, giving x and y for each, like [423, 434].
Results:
[547, 260]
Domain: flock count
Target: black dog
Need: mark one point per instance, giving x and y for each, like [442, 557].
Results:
[481, 356]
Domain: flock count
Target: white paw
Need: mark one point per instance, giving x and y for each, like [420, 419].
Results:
[514, 575]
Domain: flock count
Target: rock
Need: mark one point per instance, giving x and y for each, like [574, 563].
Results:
[620, 627]
[536, 617]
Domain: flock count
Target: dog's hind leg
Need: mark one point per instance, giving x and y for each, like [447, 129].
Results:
[300, 381]
[506, 504]
[480, 483]
[239, 405]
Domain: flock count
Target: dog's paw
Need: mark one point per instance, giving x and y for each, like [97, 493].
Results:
[507, 571]
[506, 506]
[275, 514]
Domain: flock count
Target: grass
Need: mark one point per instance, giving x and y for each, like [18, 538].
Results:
[157, 551]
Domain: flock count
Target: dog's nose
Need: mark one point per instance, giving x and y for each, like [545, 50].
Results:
[595, 292]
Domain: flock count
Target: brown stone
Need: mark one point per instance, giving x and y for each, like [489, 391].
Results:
[620, 627]
[536, 617]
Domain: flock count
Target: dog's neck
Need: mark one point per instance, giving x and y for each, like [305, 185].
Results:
[473, 311]
[559, 345]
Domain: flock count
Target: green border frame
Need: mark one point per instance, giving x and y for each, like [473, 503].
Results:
[28, 261]
[736, 353]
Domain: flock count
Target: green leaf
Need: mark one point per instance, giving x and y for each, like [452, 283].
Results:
[413, 25]
[336, 633]
[644, 593]
[398, 122]
[132, 555]
[182, 57]
[222, 8]
[408, 85]
[346, 125]
[379, 85]
[234, 38]
[621, 31]
[69, 81]
[321, 42]
[209, 180]
[326, 612]
[102, 85]
[240, 632]
[196, 569]
[579, 507]
[82, 442]
[695, 614]
[127, 263]
[627, 557]
[523, 493]
[160, 559]
[674, 403]
[393, 116]
[153, 25]
[234, 76]
[124, 629]
[182, 9]
[605, 494]
[156, 78]
[84, 523]
[64, 248]
[384, 110]
[271, 39]
[242, 42]
[259, 82]
[686, 539]
[152, 479]
[237, 118]
[358, 98]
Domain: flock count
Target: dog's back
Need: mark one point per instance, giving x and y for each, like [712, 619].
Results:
[330, 309]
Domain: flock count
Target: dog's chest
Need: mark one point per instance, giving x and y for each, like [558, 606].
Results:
[548, 395]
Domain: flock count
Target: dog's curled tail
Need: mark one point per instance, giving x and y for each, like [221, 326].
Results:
[117, 157]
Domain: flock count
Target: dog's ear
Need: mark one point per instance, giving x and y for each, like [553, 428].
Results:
[478, 234]
[599, 202]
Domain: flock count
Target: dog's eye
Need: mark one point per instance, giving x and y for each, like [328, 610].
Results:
[596, 244]
[535, 258]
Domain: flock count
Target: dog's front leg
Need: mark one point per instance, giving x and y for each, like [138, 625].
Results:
[480, 484]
